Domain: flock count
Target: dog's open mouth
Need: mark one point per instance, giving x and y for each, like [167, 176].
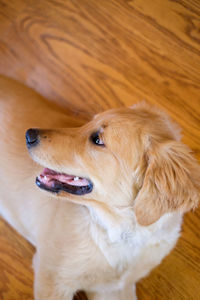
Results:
[55, 182]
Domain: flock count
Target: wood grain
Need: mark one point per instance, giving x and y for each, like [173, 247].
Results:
[90, 55]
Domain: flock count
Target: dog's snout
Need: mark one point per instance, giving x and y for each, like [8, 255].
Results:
[32, 137]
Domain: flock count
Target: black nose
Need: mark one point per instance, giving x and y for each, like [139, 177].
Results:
[32, 137]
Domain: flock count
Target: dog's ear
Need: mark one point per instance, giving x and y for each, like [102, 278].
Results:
[171, 183]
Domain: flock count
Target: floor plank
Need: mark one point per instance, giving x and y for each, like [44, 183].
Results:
[92, 55]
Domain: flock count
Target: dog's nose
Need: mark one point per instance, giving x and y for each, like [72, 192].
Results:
[32, 137]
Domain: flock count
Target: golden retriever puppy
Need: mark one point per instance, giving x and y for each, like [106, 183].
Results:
[109, 196]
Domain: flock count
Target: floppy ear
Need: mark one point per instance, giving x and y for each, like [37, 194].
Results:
[171, 183]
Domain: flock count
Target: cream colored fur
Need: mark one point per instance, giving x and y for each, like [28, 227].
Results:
[105, 241]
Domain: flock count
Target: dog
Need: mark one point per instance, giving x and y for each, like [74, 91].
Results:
[102, 202]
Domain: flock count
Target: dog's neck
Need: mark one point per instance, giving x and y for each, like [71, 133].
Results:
[121, 238]
[115, 236]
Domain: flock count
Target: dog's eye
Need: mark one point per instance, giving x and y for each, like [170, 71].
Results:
[95, 138]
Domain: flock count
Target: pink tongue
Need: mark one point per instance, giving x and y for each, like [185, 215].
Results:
[48, 177]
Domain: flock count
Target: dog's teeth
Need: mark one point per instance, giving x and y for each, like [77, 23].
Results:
[45, 177]
[76, 178]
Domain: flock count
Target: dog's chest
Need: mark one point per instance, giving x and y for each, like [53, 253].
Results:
[137, 250]
[119, 252]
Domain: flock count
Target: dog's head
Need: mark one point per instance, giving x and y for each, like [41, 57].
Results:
[124, 159]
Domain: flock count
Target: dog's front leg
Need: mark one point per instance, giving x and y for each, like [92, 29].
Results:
[45, 286]
[128, 293]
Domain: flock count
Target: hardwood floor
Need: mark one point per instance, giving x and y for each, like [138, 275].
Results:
[91, 55]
